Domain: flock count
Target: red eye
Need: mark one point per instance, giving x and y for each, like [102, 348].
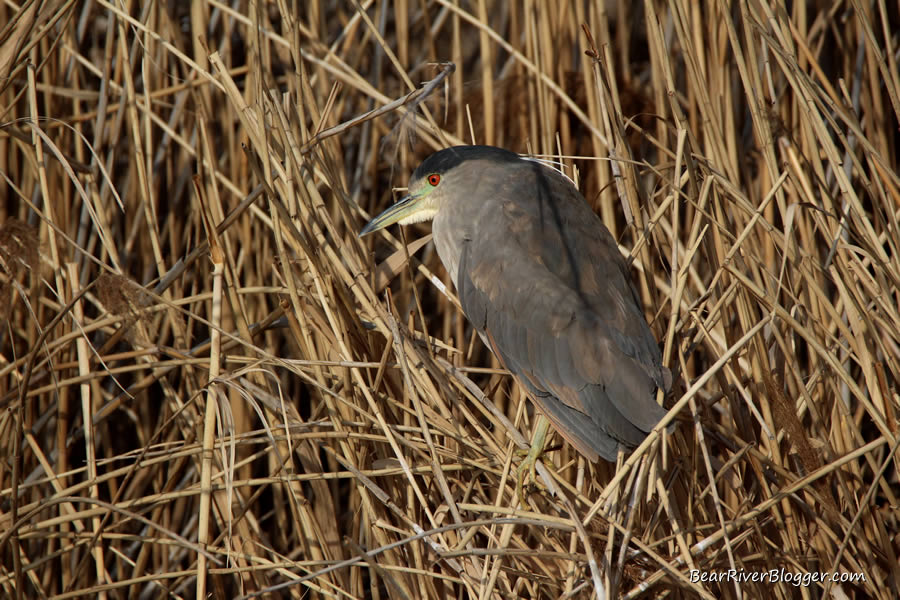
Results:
[434, 179]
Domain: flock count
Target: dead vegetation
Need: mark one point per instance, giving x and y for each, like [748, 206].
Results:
[279, 407]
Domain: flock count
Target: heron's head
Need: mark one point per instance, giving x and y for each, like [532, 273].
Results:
[442, 177]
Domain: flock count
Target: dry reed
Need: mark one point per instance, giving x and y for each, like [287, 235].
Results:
[280, 408]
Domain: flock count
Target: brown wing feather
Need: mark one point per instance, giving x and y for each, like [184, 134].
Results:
[550, 290]
[544, 401]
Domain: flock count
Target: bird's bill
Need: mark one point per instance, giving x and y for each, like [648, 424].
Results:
[403, 210]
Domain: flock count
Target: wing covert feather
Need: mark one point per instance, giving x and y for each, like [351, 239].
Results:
[549, 292]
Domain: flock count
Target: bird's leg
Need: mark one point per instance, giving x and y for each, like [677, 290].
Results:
[534, 454]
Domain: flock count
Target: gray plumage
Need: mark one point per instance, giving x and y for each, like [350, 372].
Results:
[542, 281]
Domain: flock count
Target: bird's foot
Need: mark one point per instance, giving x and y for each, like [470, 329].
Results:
[529, 463]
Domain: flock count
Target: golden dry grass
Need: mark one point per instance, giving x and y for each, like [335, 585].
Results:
[281, 408]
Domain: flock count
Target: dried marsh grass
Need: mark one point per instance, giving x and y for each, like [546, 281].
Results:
[212, 388]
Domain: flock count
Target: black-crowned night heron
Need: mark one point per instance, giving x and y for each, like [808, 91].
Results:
[542, 280]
